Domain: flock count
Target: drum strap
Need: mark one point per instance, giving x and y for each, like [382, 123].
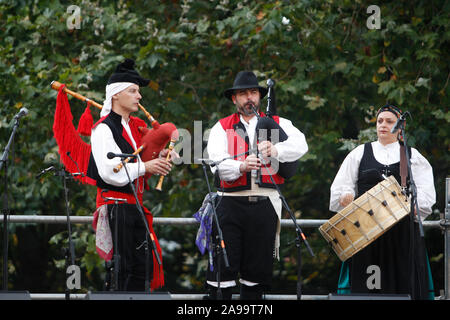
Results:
[403, 167]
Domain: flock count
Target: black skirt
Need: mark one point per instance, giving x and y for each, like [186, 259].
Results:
[395, 263]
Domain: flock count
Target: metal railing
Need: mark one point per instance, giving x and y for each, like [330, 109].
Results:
[442, 224]
[306, 223]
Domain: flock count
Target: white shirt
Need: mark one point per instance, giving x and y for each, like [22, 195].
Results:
[347, 176]
[293, 148]
[102, 142]
[289, 150]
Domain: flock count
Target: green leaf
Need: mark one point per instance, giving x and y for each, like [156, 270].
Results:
[341, 67]
[423, 82]
[314, 102]
[439, 114]
[203, 25]
[385, 87]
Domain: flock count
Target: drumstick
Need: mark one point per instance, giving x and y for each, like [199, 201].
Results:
[161, 178]
[120, 165]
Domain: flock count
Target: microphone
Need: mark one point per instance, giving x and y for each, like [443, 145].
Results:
[112, 155]
[399, 123]
[79, 171]
[271, 109]
[255, 111]
[22, 112]
[44, 171]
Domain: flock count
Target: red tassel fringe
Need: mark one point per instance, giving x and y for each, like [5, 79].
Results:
[86, 122]
[68, 139]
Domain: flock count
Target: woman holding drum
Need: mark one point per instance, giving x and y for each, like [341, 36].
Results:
[362, 169]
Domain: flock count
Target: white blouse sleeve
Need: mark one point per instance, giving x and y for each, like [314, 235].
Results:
[423, 177]
[102, 142]
[346, 178]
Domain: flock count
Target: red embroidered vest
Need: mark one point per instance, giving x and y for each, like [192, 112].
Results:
[238, 143]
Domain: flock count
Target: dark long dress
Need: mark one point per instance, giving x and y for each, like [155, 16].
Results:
[401, 259]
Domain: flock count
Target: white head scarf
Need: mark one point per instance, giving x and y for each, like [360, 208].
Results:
[112, 89]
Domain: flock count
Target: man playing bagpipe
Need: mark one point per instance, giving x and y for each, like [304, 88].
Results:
[117, 132]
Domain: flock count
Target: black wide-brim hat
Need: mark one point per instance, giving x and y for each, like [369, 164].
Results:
[125, 73]
[245, 80]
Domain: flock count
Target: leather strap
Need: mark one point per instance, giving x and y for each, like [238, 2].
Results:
[403, 167]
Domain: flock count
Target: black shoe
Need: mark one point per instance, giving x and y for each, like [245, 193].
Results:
[213, 294]
[251, 292]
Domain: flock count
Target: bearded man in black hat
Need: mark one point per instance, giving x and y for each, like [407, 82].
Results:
[249, 212]
[118, 132]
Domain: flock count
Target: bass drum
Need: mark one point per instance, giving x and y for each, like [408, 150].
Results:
[366, 218]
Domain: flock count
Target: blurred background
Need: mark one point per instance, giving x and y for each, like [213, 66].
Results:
[333, 67]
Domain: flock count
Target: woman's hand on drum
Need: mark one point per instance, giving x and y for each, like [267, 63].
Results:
[158, 166]
[346, 199]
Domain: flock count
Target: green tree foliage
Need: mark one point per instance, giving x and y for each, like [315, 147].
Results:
[332, 73]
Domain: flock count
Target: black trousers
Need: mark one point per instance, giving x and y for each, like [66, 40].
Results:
[248, 230]
[131, 246]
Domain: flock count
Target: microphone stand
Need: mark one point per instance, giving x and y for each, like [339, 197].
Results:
[68, 252]
[71, 249]
[4, 164]
[148, 235]
[63, 174]
[414, 206]
[117, 258]
[221, 244]
[412, 184]
[298, 230]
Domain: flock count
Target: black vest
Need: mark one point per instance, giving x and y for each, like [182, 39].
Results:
[370, 170]
[114, 122]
